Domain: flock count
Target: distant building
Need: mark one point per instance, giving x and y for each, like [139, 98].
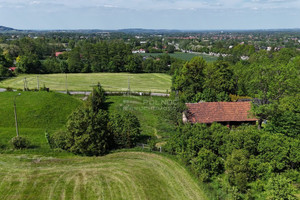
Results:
[139, 51]
[58, 53]
[226, 113]
[244, 57]
[12, 69]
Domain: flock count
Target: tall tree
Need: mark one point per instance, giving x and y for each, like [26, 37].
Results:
[88, 132]
[269, 83]
[189, 80]
[74, 61]
[29, 64]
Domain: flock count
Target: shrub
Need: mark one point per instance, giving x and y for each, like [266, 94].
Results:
[279, 188]
[58, 140]
[20, 142]
[207, 164]
[237, 168]
[125, 128]
[9, 89]
[87, 132]
[152, 143]
[44, 88]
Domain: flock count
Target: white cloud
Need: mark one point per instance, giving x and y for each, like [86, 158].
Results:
[34, 2]
[159, 4]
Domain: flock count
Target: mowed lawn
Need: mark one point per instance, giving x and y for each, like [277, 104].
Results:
[149, 82]
[125, 175]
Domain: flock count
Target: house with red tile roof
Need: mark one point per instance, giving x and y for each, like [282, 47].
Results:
[226, 113]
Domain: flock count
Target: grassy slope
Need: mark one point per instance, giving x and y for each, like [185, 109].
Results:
[153, 82]
[42, 173]
[128, 175]
[37, 112]
[41, 111]
[149, 110]
[184, 56]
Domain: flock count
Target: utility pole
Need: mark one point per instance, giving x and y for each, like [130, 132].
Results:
[129, 85]
[66, 84]
[16, 119]
[24, 84]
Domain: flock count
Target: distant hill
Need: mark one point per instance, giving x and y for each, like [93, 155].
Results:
[5, 29]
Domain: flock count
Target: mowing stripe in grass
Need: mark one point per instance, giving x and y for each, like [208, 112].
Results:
[85, 82]
[127, 175]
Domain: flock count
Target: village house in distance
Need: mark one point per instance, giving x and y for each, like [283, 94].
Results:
[226, 113]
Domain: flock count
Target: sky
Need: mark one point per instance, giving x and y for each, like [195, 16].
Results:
[150, 14]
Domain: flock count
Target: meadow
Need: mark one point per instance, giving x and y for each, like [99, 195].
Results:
[150, 82]
[38, 112]
[43, 173]
[124, 175]
[151, 112]
[184, 56]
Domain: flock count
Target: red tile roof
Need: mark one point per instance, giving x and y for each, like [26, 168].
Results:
[58, 53]
[209, 112]
[12, 68]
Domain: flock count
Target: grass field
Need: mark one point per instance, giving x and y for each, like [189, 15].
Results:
[153, 82]
[151, 111]
[46, 110]
[43, 173]
[184, 56]
[37, 112]
[125, 175]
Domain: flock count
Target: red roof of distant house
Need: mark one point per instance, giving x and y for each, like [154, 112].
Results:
[209, 112]
[58, 53]
[12, 68]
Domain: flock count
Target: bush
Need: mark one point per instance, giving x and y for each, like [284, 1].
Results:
[20, 142]
[87, 133]
[9, 89]
[207, 164]
[279, 188]
[152, 143]
[44, 88]
[125, 128]
[57, 140]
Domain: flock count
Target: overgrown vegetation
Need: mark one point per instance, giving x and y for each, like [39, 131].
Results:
[92, 131]
[241, 163]
[245, 159]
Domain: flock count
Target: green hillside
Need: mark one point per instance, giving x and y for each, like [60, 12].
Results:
[153, 82]
[47, 110]
[37, 112]
[43, 173]
[129, 175]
